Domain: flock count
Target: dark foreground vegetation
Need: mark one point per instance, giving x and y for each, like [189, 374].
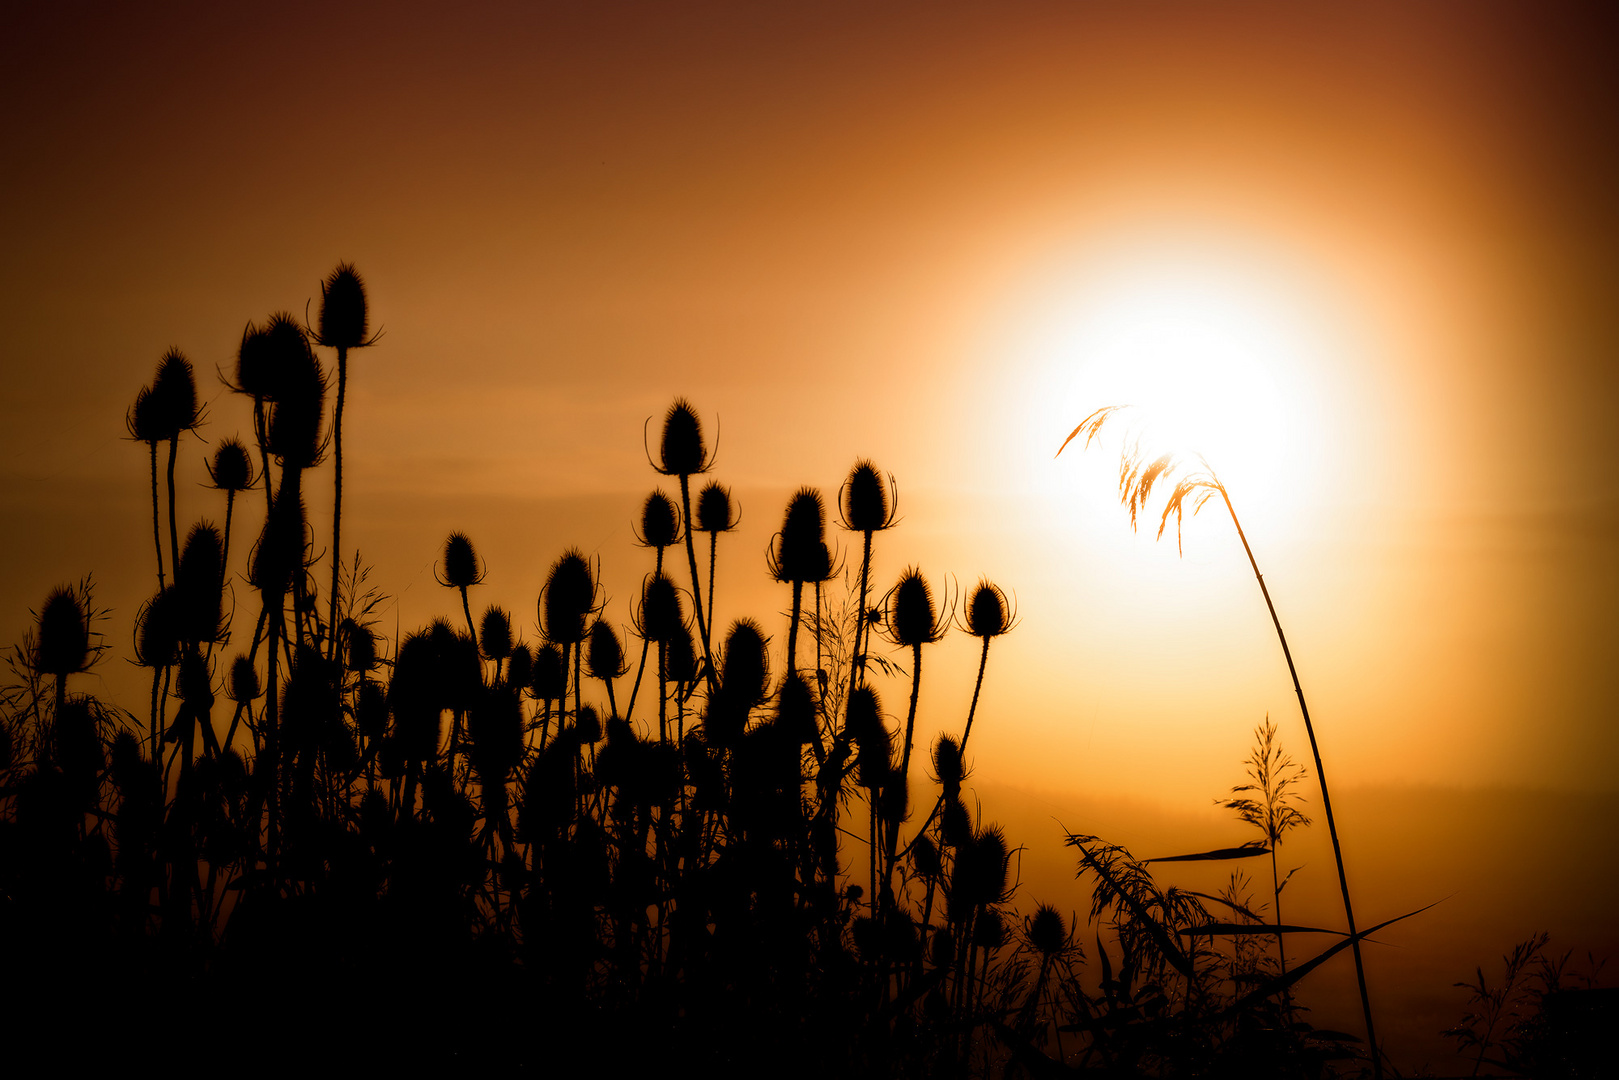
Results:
[666, 844]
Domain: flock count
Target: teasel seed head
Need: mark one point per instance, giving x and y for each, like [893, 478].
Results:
[894, 801]
[62, 636]
[989, 931]
[202, 567]
[174, 392]
[280, 550]
[549, 681]
[495, 633]
[795, 709]
[520, 666]
[362, 646]
[343, 315]
[231, 468]
[589, 725]
[800, 553]
[988, 612]
[661, 614]
[461, 569]
[745, 670]
[604, 655]
[157, 629]
[866, 502]
[1046, 931]
[912, 617]
[715, 511]
[660, 522]
[680, 658]
[955, 823]
[681, 451]
[144, 419]
[925, 857]
[947, 765]
[244, 681]
[569, 597]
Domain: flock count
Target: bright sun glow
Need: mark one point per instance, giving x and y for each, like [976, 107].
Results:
[1217, 359]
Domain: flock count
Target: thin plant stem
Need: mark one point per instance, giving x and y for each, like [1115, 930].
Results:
[1326, 799]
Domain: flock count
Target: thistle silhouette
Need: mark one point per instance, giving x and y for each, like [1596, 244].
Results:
[344, 320]
[1138, 479]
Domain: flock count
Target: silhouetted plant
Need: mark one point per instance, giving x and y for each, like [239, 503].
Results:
[1138, 478]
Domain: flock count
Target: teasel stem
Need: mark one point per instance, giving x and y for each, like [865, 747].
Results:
[337, 499]
[157, 536]
[174, 534]
[713, 558]
[696, 586]
[905, 757]
[792, 630]
[1326, 799]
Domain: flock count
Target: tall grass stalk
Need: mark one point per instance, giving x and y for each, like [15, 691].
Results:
[1138, 478]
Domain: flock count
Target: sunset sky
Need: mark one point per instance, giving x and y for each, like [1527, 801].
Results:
[1363, 256]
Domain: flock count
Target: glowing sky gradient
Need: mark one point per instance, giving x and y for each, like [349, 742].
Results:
[846, 233]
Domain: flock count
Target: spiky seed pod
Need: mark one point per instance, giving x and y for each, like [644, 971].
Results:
[947, 765]
[144, 419]
[894, 801]
[174, 391]
[981, 868]
[343, 315]
[680, 657]
[520, 666]
[589, 727]
[157, 629]
[202, 565]
[371, 710]
[714, 509]
[461, 568]
[244, 681]
[549, 681]
[660, 521]
[987, 611]
[463, 675]
[568, 599]
[912, 617]
[661, 614]
[280, 550]
[863, 719]
[800, 552]
[955, 824]
[989, 931]
[495, 633]
[795, 709]
[604, 655]
[925, 857]
[745, 671]
[865, 500]
[62, 636]
[681, 451]
[362, 646]
[415, 696]
[77, 748]
[255, 363]
[231, 468]
[1046, 931]
[299, 386]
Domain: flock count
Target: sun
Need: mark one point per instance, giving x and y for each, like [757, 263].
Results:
[1215, 358]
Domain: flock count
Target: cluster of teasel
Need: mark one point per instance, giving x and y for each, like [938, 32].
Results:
[717, 827]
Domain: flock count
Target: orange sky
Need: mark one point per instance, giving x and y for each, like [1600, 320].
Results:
[844, 233]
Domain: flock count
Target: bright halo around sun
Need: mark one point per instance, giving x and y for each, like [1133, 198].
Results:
[1215, 359]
